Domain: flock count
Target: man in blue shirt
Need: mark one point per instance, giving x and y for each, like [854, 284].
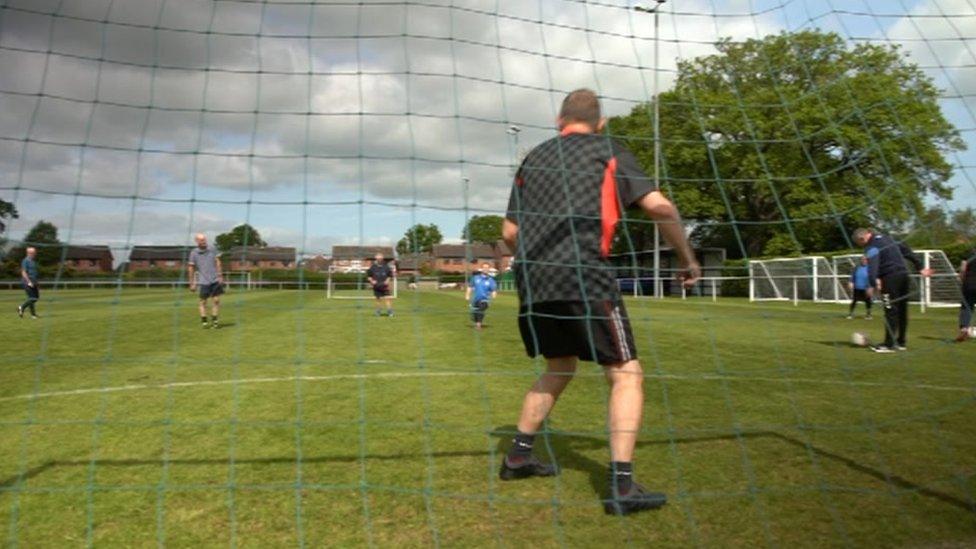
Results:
[482, 288]
[379, 275]
[28, 279]
[860, 287]
[888, 275]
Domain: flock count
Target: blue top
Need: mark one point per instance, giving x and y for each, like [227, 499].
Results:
[379, 272]
[30, 266]
[860, 278]
[886, 257]
[482, 286]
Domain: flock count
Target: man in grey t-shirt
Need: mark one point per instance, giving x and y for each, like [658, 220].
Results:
[205, 271]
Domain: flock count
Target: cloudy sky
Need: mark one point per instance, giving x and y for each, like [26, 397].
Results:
[143, 121]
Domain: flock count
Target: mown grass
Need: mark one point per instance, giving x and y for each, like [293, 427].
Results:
[309, 421]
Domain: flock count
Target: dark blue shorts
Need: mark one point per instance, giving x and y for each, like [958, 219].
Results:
[381, 290]
[33, 292]
[211, 290]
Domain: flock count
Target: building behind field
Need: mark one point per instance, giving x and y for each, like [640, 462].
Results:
[171, 258]
[356, 259]
[317, 264]
[88, 258]
[249, 258]
[457, 258]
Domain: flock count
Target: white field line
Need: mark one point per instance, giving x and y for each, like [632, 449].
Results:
[394, 375]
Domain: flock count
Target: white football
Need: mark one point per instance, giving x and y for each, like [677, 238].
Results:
[972, 331]
[859, 339]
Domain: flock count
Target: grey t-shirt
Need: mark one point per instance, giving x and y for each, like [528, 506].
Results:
[205, 262]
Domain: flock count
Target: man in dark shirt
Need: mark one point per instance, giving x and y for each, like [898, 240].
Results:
[567, 198]
[967, 277]
[379, 275]
[28, 279]
[888, 275]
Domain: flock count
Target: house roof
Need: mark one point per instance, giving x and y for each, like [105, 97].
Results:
[143, 253]
[464, 251]
[85, 251]
[361, 252]
[252, 253]
[412, 261]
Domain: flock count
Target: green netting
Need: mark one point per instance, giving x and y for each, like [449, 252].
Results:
[311, 421]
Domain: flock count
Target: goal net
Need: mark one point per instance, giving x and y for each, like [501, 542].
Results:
[940, 290]
[316, 134]
[795, 279]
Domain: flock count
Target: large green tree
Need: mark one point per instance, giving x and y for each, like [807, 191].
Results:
[486, 229]
[239, 236]
[7, 211]
[419, 238]
[785, 144]
[44, 237]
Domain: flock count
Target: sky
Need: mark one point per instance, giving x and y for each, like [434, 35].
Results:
[133, 122]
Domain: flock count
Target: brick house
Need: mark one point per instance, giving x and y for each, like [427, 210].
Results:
[88, 259]
[356, 259]
[240, 258]
[143, 258]
[411, 264]
[317, 264]
[458, 258]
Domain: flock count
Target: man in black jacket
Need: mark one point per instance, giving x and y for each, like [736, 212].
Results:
[888, 275]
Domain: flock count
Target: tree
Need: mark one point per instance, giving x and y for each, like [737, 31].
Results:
[486, 229]
[419, 238]
[7, 211]
[792, 141]
[937, 227]
[240, 235]
[44, 237]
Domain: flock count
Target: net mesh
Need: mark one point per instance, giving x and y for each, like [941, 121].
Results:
[307, 421]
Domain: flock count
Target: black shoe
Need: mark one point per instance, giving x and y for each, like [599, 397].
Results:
[636, 500]
[531, 467]
[882, 349]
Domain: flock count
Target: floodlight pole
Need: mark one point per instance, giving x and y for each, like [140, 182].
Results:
[658, 289]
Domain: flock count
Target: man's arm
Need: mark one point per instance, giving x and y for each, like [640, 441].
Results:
[220, 269]
[26, 277]
[467, 291]
[662, 211]
[908, 254]
[873, 260]
[190, 275]
[510, 233]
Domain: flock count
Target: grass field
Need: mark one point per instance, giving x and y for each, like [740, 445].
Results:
[310, 421]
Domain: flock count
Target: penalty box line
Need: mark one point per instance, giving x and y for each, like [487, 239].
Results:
[395, 375]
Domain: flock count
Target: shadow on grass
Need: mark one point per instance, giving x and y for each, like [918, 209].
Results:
[565, 452]
[566, 449]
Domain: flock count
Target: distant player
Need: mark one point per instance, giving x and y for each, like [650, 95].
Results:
[380, 275]
[481, 289]
[889, 276]
[205, 271]
[860, 287]
[28, 279]
[967, 278]
[568, 195]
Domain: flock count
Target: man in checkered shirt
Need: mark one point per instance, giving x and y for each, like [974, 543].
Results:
[567, 198]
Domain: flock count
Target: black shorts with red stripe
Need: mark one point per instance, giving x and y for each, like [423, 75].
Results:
[595, 331]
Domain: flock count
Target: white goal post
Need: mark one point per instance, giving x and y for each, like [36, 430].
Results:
[358, 288]
[939, 290]
[239, 280]
[809, 278]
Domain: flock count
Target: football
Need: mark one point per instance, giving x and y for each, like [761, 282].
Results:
[859, 339]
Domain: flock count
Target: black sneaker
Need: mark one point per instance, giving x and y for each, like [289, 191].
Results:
[882, 349]
[636, 500]
[531, 467]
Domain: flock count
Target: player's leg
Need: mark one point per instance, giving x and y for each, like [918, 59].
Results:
[850, 311]
[389, 303]
[538, 402]
[214, 311]
[202, 305]
[902, 309]
[868, 302]
[966, 313]
[890, 313]
[626, 408]
[34, 295]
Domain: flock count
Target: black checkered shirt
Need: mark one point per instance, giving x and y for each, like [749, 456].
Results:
[568, 195]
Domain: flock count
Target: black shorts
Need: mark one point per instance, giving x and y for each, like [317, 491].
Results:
[861, 295]
[599, 333]
[381, 290]
[211, 290]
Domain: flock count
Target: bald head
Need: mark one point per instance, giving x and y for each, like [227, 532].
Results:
[31, 252]
[201, 240]
[581, 106]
